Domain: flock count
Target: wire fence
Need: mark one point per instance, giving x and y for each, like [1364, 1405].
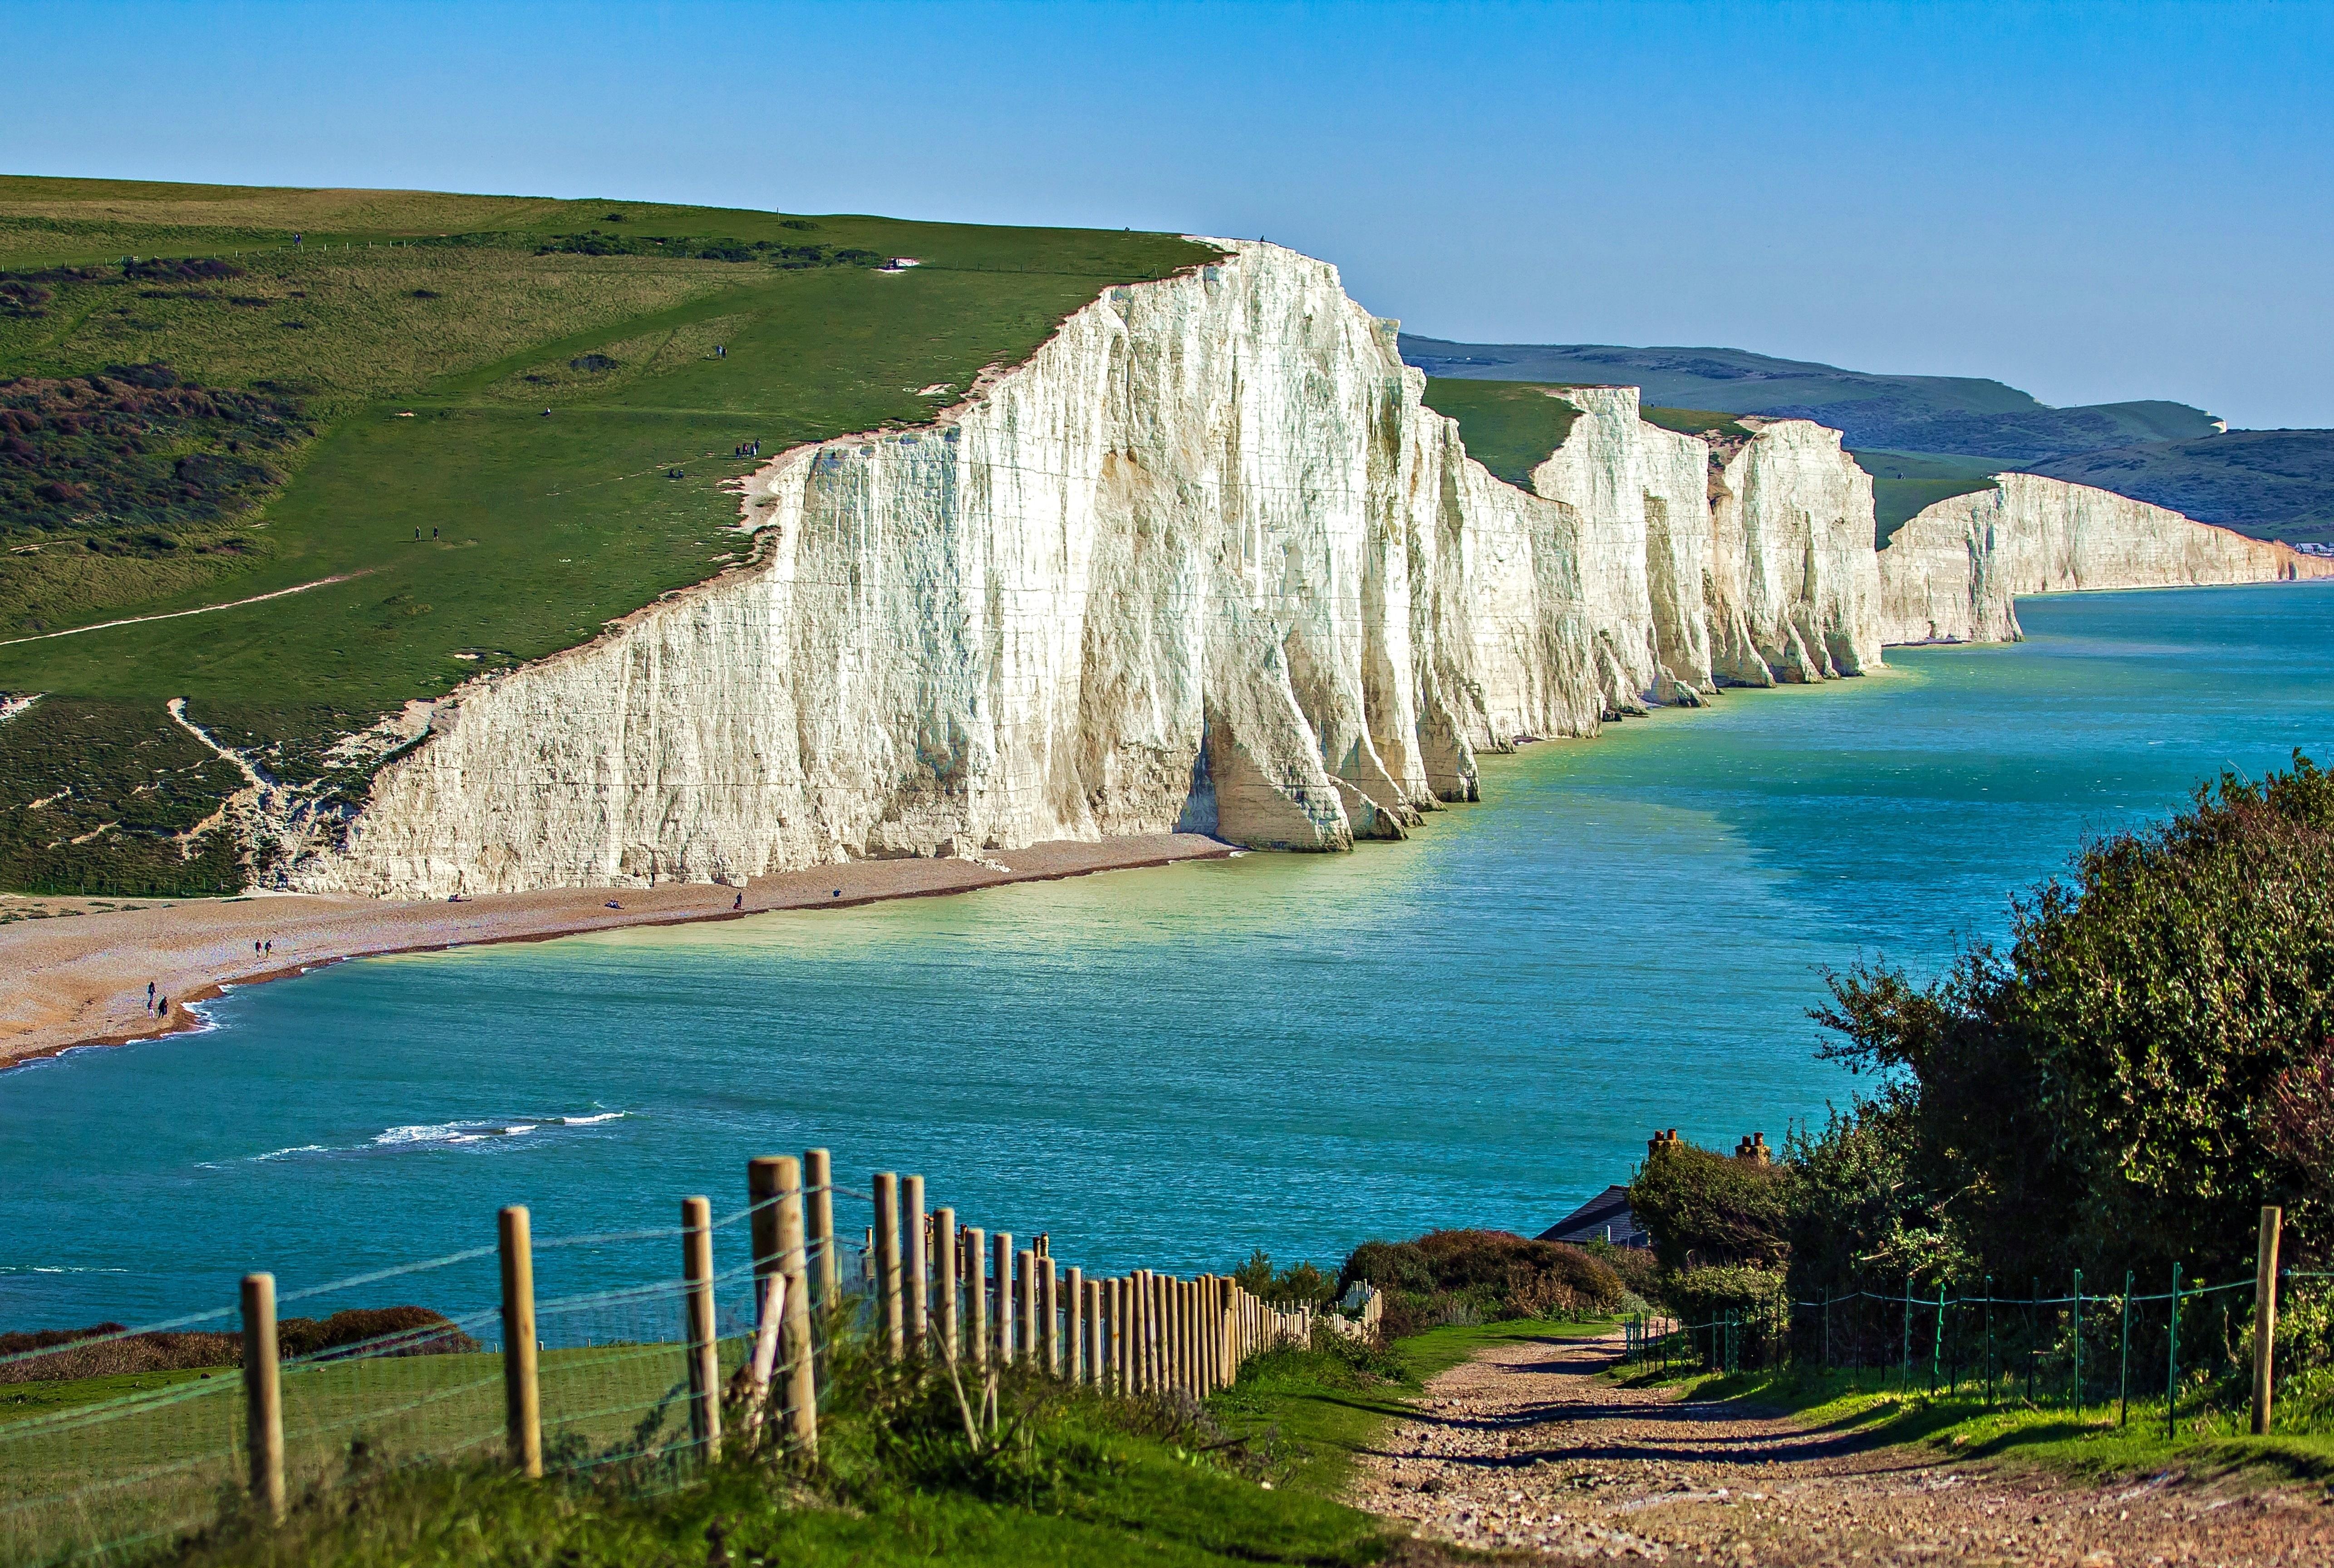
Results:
[2187, 1355]
[116, 1443]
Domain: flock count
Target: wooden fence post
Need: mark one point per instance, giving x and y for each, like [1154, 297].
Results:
[1091, 1340]
[1116, 1289]
[771, 1306]
[914, 1246]
[797, 1345]
[976, 1295]
[704, 1348]
[1048, 1293]
[1024, 1305]
[824, 1269]
[944, 1272]
[1000, 1250]
[1073, 1325]
[887, 1266]
[263, 1395]
[2265, 1316]
[522, 1395]
[1138, 1332]
[1172, 1303]
[1163, 1323]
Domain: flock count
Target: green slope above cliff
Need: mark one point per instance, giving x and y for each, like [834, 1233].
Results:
[446, 432]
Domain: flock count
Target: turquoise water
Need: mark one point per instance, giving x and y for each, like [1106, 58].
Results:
[1171, 1067]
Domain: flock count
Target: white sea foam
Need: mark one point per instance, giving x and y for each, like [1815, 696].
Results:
[588, 1120]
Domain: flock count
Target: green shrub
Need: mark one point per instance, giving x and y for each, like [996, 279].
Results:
[1704, 1208]
[1472, 1276]
[89, 1353]
[1300, 1284]
[1698, 1295]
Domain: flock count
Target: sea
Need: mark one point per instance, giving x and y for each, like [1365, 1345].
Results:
[1171, 1068]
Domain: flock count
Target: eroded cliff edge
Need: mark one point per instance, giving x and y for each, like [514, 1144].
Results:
[1952, 571]
[1203, 562]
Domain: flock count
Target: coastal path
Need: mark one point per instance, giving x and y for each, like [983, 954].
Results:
[1526, 1449]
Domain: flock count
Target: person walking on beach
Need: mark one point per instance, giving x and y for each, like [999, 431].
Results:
[150, 995]
[739, 903]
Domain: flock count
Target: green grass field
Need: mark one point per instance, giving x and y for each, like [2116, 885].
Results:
[421, 338]
[110, 1458]
[1905, 483]
[1101, 1481]
[1509, 426]
[1697, 422]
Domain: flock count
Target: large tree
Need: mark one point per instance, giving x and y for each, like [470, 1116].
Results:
[2145, 1062]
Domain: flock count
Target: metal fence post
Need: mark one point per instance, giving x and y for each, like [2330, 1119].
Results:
[2123, 1380]
[1905, 1379]
[1991, 1388]
[1937, 1342]
[2172, 1364]
[2076, 1377]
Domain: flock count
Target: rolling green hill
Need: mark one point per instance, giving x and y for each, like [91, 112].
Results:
[1961, 415]
[1925, 437]
[461, 431]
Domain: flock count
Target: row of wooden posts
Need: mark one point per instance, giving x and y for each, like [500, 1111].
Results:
[942, 1293]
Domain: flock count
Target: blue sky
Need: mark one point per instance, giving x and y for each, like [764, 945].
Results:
[2091, 202]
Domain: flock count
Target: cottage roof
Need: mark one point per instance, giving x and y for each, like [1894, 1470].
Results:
[1603, 1217]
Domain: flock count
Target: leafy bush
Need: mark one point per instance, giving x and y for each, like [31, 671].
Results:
[1464, 1276]
[1698, 1295]
[1299, 1284]
[592, 242]
[1704, 1208]
[118, 457]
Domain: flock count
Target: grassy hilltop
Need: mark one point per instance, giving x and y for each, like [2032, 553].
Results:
[212, 393]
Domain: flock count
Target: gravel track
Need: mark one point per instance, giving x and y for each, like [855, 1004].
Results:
[1525, 1449]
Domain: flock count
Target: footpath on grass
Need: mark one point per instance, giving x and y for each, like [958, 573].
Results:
[1532, 1447]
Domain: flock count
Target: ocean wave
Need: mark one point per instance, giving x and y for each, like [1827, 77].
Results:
[428, 1135]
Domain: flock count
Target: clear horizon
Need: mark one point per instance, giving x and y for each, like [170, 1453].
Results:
[2093, 204]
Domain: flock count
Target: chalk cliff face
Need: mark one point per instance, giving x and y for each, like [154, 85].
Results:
[1951, 573]
[1203, 562]
[1796, 594]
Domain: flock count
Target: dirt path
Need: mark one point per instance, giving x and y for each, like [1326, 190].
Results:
[179, 614]
[1526, 1449]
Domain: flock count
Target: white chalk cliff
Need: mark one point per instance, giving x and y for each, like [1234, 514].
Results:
[1204, 562]
[1952, 572]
